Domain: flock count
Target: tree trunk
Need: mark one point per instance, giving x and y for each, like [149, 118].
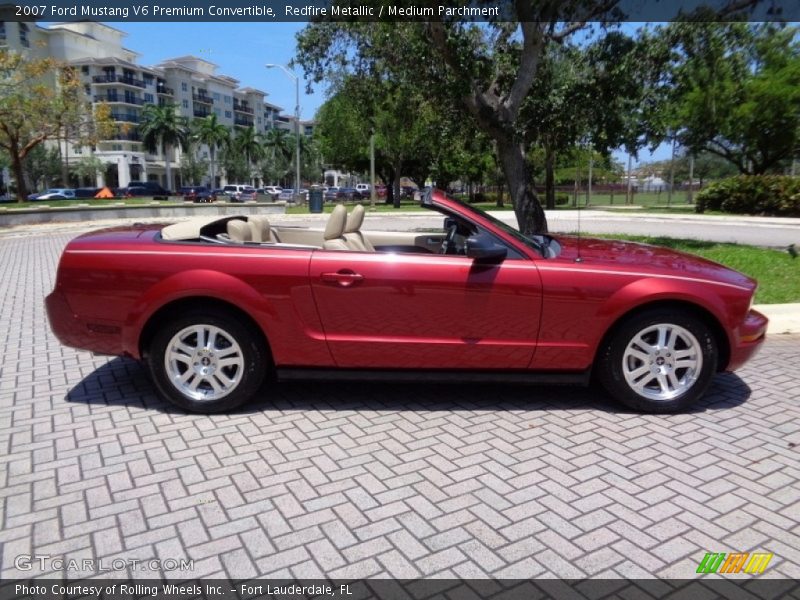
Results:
[168, 167]
[19, 172]
[528, 210]
[549, 177]
[398, 165]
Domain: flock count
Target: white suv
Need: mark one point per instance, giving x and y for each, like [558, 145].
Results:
[363, 188]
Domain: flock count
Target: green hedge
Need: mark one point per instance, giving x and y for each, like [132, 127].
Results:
[775, 195]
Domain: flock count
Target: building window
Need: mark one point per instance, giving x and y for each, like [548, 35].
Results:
[215, 95]
[77, 149]
[184, 87]
[227, 99]
[185, 104]
[85, 69]
[259, 120]
[148, 79]
[23, 35]
[227, 114]
[2, 31]
[88, 90]
[218, 112]
[148, 98]
[116, 146]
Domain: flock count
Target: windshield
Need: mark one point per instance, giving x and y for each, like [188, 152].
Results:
[538, 242]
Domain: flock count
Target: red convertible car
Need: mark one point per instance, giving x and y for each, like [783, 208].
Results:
[215, 305]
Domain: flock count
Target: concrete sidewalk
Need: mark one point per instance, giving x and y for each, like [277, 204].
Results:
[783, 318]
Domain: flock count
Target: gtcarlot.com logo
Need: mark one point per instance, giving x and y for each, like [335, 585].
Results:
[44, 562]
[735, 562]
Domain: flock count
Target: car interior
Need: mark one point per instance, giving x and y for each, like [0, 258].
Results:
[342, 232]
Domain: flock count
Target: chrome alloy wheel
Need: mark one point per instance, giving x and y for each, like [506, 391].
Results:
[204, 362]
[662, 361]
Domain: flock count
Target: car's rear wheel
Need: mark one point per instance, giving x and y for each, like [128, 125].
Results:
[207, 361]
[659, 361]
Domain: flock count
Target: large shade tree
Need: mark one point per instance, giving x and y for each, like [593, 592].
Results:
[487, 69]
[39, 97]
[163, 129]
[737, 91]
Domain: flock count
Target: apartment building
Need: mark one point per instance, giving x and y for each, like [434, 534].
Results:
[110, 73]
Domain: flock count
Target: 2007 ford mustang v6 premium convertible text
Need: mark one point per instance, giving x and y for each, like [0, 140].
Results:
[214, 305]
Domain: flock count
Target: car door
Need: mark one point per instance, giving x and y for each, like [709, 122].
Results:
[426, 311]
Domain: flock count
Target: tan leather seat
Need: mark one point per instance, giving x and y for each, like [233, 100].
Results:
[334, 230]
[239, 231]
[261, 230]
[352, 231]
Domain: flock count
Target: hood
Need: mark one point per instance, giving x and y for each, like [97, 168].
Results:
[651, 259]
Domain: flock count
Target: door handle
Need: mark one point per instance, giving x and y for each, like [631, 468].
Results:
[432, 241]
[344, 278]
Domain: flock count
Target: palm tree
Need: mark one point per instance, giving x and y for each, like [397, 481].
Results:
[280, 143]
[213, 134]
[248, 142]
[162, 128]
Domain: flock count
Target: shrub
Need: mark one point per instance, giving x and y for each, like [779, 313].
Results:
[562, 199]
[776, 195]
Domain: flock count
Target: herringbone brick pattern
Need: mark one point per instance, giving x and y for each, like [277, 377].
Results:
[366, 480]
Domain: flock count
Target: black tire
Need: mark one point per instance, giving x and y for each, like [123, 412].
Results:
[612, 364]
[248, 375]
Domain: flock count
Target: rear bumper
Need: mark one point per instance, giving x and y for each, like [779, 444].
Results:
[71, 330]
[749, 337]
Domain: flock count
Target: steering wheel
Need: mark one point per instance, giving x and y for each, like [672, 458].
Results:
[449, 243]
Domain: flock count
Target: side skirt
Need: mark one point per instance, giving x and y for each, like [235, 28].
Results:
[404, 376]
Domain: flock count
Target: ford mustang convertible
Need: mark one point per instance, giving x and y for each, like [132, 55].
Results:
[214, 306]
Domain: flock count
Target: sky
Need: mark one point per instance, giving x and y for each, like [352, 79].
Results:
[242, 49]
[239, 49]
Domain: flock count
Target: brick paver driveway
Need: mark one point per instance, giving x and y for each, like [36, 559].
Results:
[372, 480]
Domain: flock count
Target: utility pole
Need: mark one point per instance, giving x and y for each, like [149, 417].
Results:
[690, 196]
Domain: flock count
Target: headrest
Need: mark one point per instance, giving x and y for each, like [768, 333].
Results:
[335, 227]
[355, 219]
[239, 231]
[259, 227]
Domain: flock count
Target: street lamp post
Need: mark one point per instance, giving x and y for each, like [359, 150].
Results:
[296, 126]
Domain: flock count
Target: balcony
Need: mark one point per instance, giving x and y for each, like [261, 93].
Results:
[242, 121]
[126, 137]
[243, 108]
[127, 118]
[202, 99]
[201, 112]
[123, 79]
[120, 100]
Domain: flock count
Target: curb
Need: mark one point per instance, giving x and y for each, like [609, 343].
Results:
[783, 318]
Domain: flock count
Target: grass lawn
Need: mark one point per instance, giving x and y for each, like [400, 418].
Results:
[778, 274]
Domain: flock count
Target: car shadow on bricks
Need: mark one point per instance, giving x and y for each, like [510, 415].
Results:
[125, 382]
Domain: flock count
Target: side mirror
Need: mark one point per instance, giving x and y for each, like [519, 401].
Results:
[484, 249]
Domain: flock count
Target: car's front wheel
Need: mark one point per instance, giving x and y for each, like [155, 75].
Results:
[207, 361]
[659, 361]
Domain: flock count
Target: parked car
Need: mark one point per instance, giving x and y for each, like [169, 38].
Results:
[363, 188]
[349, 194]
[272, 191]
[199, 193]
[143, 189]
[86, 193]
[212, 305]
[239, 192]
[287, 194]
[56, 194]
[330, 194]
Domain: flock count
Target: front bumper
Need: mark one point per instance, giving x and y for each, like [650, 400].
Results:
[748, 338]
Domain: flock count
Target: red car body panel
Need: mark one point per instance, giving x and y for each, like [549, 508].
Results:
[409, 311]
